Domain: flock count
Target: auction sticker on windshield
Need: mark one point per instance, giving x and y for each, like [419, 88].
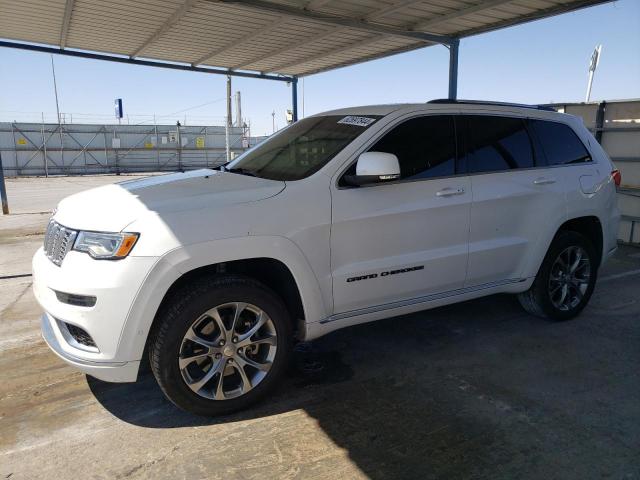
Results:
[359, 121]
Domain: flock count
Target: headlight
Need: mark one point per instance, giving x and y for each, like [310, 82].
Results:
[105, 245]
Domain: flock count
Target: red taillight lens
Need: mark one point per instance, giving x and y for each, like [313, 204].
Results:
[617, 177]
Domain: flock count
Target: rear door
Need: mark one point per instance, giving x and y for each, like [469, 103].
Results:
[563, 148]
[408, 238]
[516, 197]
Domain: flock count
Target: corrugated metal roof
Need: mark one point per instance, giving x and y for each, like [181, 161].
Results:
[292, 37]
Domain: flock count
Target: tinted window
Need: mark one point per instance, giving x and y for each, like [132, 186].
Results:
[497, 143]
[425, 147]
[559, 143]
[302, 148]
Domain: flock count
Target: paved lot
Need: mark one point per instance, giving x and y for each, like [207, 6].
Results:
[476, 390]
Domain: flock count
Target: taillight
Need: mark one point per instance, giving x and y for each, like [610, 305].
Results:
[617, 177]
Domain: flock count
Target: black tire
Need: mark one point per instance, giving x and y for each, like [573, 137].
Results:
[537, 300]
[188, 304]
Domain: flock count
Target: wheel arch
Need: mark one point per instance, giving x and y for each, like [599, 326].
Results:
[588, 226]
[269, 271]
[275, 261]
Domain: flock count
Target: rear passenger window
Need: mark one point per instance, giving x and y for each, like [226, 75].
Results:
[559, 143]
[425, 147]
[496, 143]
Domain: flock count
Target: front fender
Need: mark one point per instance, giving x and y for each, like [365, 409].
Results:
[182, 260]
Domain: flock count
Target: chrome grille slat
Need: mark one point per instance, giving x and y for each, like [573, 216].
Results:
[58, 241]
[49, 237]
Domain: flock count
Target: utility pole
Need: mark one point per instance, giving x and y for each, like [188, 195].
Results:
[273, 121]
[55, 91]
[227, 125]
[238, 110]
[55, 88]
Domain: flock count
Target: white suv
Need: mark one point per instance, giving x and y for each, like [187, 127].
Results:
[342, 218]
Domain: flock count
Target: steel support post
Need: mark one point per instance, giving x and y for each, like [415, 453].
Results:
[602, 107]
[294, 98]
[3, 190]
[453, 69]
[227, 121]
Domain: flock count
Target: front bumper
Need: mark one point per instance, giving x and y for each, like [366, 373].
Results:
[107, 371]
[115, 284]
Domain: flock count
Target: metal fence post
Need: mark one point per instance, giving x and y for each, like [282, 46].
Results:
[3, 190]
[179, 146]
[15, 147]
[115, 151]
[44, 151]
[155, 128]
[106, 154]
[206, 149]
[61, 148]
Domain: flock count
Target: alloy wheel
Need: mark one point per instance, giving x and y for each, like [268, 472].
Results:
[228, 351]
[569, 278]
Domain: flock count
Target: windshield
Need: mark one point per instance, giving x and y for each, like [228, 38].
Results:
[302, 148]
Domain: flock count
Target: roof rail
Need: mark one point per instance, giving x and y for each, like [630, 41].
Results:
[483, 102]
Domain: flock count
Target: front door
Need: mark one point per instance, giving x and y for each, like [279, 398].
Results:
[401, 240]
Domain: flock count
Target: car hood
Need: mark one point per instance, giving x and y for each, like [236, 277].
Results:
[112, 207]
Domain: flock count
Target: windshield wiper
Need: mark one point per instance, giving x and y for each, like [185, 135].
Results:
[241, 171]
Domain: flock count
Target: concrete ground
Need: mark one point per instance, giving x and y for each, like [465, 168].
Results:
[475, 390]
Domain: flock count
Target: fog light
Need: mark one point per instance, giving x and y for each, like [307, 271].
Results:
[76, 300]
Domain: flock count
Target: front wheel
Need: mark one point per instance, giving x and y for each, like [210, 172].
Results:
[566, 279]
[221, 345]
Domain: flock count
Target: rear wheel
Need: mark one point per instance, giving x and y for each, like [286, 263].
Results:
[566, 279]
[221, 345]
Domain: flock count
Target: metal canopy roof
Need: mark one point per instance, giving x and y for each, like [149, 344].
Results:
[288, 37]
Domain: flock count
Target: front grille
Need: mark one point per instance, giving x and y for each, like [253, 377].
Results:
[58, 241]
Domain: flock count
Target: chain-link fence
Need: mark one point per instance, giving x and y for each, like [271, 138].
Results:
[53, 149]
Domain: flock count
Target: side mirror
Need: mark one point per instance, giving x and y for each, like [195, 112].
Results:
[374, 167]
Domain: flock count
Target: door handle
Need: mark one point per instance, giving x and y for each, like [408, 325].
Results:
[544, 181]
[449, 192]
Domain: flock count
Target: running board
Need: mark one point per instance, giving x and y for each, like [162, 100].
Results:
[418, 300]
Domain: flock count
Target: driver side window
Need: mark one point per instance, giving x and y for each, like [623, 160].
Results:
[425, 147]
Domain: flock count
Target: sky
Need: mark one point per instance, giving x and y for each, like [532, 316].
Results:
[537, 62]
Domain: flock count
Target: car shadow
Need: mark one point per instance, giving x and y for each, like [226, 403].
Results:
[472, 390]
[370, 387]
[143, 404]
[330, 368]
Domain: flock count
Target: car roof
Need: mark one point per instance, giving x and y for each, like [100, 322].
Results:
[459, 107]
[370, 109]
